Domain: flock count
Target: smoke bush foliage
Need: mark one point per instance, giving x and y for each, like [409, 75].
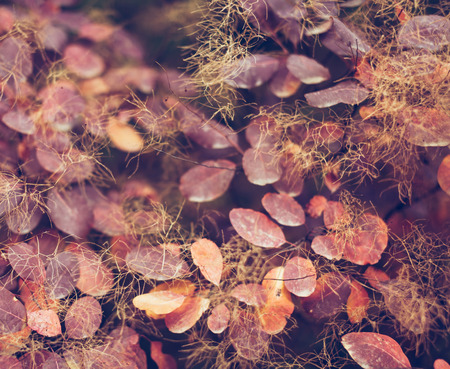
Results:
[277, 196]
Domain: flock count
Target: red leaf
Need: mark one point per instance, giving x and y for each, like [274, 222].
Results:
[328, 246]
[251, 71]
[15, 59]
[443, 174]
[430, 32]
[284, 209]
[347, 92]
[208, 181]
[284, 84]
[306, 69]
[256, 228]
[374, 276]
[45, 322]
[331, 293]
[10, 362]
[83, 318]
[357, 303]
[219, 318]
[375, 351]
[12, 313]
[260, 167]
[252, 294]
[184, 318]
[206, 255]
[289, 183]
[440, 364]
[162, 360]
[335, 216]
[300, 276]
[247, 336]
[370, 241]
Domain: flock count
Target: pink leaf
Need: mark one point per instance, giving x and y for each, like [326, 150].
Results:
[300, 276]
[261, 133]
[430, 32]
[208, 181]
[162, 360]
[251, 71]
[256, 228]
[184, 318]
[284, 84]
[443, 174]
[12, 313]
[306, 69]
[159, 302]
[260, 167]
[347, 92]
[26, 262]
[83, 318]
[247, 336]
[10, 362]
[375, 351]
[63, 273]
[284, 209]
[316, 206]
[219, 318]
[206, 255]
[334, 215]
[328, 246]
[82, 61]
[441, 364]
[45, 322]
[252, 294]
[15, 59]
[19, 121]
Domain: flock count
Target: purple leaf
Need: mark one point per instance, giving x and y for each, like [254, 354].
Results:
[375, 351]
[256, 228]
[19, 121]
[15, 59]
[250, 293]
[251, 71]
[83, 318]
[306, 69]
[26, 262]
[156, 263]
[260, 167]
[208, 181]
[347, 92]
[63, 272]
[12, 313]
[430, 32]
[284, 209]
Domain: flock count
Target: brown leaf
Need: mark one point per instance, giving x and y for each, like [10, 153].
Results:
[206, 255]
[375, 351]
[208, 181]
[256, 228]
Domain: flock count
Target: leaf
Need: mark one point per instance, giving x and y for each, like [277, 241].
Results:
[343, 41]
[256, 228]
[10, 362]
[25, 217]
[162, 360]
[208, 181]
[15, 59]
[375, 351]
[109, 217]
[251, 71]
[374, 276]
[357, 303]
[426, 126]
[184, 318]
[347, 92]
[262, 133]
[96, 279]
[159, 302]
[206, 255]
[284, 209]
[63, 273]
[284, 83]
[252, 294]
[55, 362]
[19, 121]
[440, 364]
[70, 210]
[307, 69]
[247, 336]
[260, 167]
[335, 216]
[82, 61]
[443, 175]
[289, 183]
[331, 293]
[328, 246]
[124, 136]
[219, 318]
[83, 318]
[155, 263]
[300, 276]
[26, 262]
[370, 241]
[316, 206]
[12, 313]
[44, 322]
[430, 32]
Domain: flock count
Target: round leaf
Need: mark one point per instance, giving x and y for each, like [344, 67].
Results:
[83, 318]
[284, 209]
[300, 276]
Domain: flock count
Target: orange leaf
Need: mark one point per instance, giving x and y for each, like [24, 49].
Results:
[440, 364]
[357, 303]
[374, 276]
[159, 302]
[316, 206]
[206, 255]
[184, 318]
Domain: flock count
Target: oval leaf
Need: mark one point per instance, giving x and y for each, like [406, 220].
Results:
[12, 313]
[159, 302]
[83, 318]
[208, 181]
[26, 262]
[45, 322]
[219, 318]
[184, 318]
[284, 209]
[300, 276]
[256, 228]
[206, 255]
[375, 351]
[347, 92]
[260, 167]
[306, 69]
[443, 174]
[252, 294]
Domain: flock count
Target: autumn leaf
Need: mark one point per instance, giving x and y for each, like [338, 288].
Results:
[206, 255]
[375, 351]
[300, 276]
[162, 360]
[260, 167]
[443, 174]
[219, 318]
[252, 294]
[184, 318]
[357, 303]
[347, 92]
[284, 209]
[44, 322]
